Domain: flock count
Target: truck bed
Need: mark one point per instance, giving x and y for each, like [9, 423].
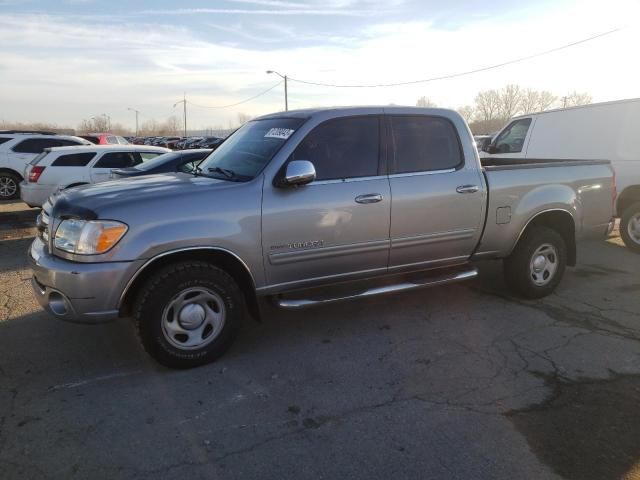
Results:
[520, 189]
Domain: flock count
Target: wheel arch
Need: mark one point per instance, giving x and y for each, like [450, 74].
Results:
[626, 198]
[12, 171]
[560, 221]
[220, 257]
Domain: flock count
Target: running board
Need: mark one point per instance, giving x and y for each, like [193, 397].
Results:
[442, 279]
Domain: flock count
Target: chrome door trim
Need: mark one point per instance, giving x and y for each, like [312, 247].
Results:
[427, 172]
[282, 258]
[432, 238]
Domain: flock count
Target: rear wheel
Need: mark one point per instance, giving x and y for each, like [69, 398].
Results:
[630, 227]
[535, 267]
[9, 186]
[188, 314]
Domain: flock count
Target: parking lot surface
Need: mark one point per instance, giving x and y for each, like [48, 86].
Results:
[456, 382]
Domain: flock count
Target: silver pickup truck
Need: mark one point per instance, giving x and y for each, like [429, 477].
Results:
[309, 207]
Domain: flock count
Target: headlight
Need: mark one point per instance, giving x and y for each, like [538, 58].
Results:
[88, 237]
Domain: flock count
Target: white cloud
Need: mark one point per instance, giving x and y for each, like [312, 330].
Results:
[61, 70]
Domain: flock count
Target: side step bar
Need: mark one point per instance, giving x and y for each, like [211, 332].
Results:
[442, 279]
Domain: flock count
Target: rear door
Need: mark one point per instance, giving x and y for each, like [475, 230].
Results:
[337, 225]
[101, 168]
[438, 198]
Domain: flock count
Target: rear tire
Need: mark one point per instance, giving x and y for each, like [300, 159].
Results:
[630, 227]
[9, 186]
[535, 267]
[188, 314]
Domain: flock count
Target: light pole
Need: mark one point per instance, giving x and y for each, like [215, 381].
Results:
[286, 98]
[184, 103]
[137, 113]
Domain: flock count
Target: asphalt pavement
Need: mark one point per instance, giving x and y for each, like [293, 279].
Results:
[457, 382]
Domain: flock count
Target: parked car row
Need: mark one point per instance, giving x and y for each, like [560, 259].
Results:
[18, 148]
[179, 143]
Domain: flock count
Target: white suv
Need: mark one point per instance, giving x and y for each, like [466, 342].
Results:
[66, 167]
[18, 148]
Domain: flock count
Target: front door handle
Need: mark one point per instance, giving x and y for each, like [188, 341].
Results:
[467, 189]
[369, 198]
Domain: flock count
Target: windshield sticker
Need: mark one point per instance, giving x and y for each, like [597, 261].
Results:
[282, 133]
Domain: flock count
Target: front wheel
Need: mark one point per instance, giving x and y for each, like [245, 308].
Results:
[187, 314]
[535, 267]
[9, 186]
[630, 227]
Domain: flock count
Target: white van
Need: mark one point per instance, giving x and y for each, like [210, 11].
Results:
[600, 131]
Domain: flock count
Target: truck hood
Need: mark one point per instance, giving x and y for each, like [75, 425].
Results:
[89, 201]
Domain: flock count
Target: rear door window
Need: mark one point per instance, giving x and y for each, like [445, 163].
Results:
[4, 139]
[512, 138]
[117, 160]
[342, 148]
[73, 160]
[36, 145]
[423, 143]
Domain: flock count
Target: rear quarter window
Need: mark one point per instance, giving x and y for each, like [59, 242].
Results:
[4, 139]
[74, 160]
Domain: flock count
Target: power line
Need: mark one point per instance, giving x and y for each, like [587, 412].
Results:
[460, 74]
[238, 103]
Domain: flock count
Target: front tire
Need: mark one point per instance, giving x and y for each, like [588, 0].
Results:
[535, 267]
[9, 186]
[188, 314]
[630, 227]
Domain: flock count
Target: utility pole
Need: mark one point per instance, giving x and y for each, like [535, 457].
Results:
[286, 94]
[184, 104]
[137, 113]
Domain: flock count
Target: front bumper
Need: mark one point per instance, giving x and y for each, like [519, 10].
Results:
[35, 195]
[77, 292]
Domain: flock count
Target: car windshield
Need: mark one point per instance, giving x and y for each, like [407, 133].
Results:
[246, 152]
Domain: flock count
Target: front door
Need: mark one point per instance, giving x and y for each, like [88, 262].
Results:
[338, 225]
[438, 198]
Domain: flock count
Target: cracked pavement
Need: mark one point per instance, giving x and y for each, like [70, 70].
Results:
[457, 382]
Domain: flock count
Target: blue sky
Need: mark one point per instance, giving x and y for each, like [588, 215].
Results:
[63, 61]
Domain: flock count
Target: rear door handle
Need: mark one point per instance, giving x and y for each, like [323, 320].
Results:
[467, 189]
[369, 198]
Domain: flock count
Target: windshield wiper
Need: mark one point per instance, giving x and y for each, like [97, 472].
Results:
[224, 171]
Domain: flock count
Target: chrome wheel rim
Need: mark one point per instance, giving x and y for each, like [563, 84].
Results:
[8, 187]
[193, 318]
[543, 264]
[633, 228]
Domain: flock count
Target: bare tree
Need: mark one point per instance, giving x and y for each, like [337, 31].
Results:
[546, 100]
[510, 99]
[575, 99]
[467, 113]
[487, 105]
[425, 102]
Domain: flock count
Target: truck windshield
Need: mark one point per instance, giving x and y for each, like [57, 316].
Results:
[246, 152]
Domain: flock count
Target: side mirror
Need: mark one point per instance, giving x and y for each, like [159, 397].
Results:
[491, 148]
[299, 172]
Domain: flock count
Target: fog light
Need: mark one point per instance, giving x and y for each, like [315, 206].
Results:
[57, 304]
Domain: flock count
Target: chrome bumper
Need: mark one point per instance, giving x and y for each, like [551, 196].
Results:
[77, 292]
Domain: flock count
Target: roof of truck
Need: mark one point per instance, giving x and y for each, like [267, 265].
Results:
[310, 112]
